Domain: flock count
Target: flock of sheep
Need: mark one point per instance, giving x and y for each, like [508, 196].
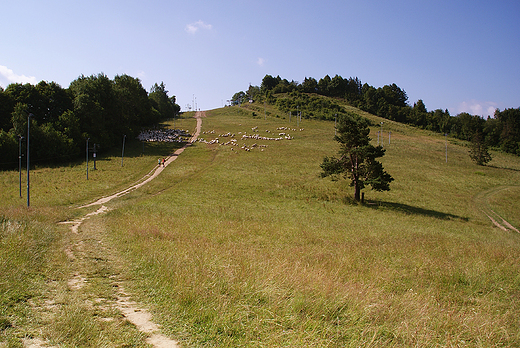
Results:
[164, 135]
[243, 136]
[179, 135]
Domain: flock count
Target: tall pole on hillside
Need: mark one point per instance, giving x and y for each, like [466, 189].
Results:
[28, 163]
[123, 152]
[381, 133]
[86, 149]
[446, 137]
[94, 155]
[20, 138]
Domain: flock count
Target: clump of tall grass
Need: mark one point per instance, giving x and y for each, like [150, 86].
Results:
[75, 326]
[29, 247]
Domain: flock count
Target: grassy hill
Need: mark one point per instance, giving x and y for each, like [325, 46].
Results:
[229, 247]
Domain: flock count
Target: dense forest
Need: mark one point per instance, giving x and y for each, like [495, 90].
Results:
[93, 107]
[391, 102]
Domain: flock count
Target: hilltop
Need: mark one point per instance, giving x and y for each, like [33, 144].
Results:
[389, 102]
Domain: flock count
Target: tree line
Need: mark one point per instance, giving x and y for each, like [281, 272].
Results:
[390, 101]
[92, 107]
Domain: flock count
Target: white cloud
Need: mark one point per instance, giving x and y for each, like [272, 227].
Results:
[7, 76]
[475, 107]
[141, 75]
[192, 28]
[260, 61]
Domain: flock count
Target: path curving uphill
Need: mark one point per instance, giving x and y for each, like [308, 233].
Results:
[131, 310]
[157, 170]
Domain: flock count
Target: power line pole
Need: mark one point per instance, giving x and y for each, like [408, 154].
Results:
[20, 138]
[298, 116]
[123, 152]
[87, 156]
[28, 163]
[94, 155]
[381, 134]
[446, 137]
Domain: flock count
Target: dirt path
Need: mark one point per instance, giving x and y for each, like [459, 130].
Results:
[158, 169]
[481, 203]
[77, 252]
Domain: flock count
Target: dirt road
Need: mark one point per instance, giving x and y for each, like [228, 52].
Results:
[77, 252]
[157, 170]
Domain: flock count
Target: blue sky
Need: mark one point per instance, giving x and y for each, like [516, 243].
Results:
[455, 55]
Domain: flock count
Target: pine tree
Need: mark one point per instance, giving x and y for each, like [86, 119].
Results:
[357, 157]
[478, 151]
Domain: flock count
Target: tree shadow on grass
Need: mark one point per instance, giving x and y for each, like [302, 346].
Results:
[411, 210]
[506, 168]
[135, 148]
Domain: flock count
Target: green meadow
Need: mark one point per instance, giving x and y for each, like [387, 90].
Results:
[236, 248]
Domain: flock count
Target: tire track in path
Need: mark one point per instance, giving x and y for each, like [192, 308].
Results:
[481, 202]
[131, 310]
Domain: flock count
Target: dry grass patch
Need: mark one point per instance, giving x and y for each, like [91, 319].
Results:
[253, 249]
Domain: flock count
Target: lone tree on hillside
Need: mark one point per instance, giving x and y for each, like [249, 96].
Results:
[357, 157]
[478, 151]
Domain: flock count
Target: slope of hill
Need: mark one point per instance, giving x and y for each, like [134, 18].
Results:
[240, 243]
